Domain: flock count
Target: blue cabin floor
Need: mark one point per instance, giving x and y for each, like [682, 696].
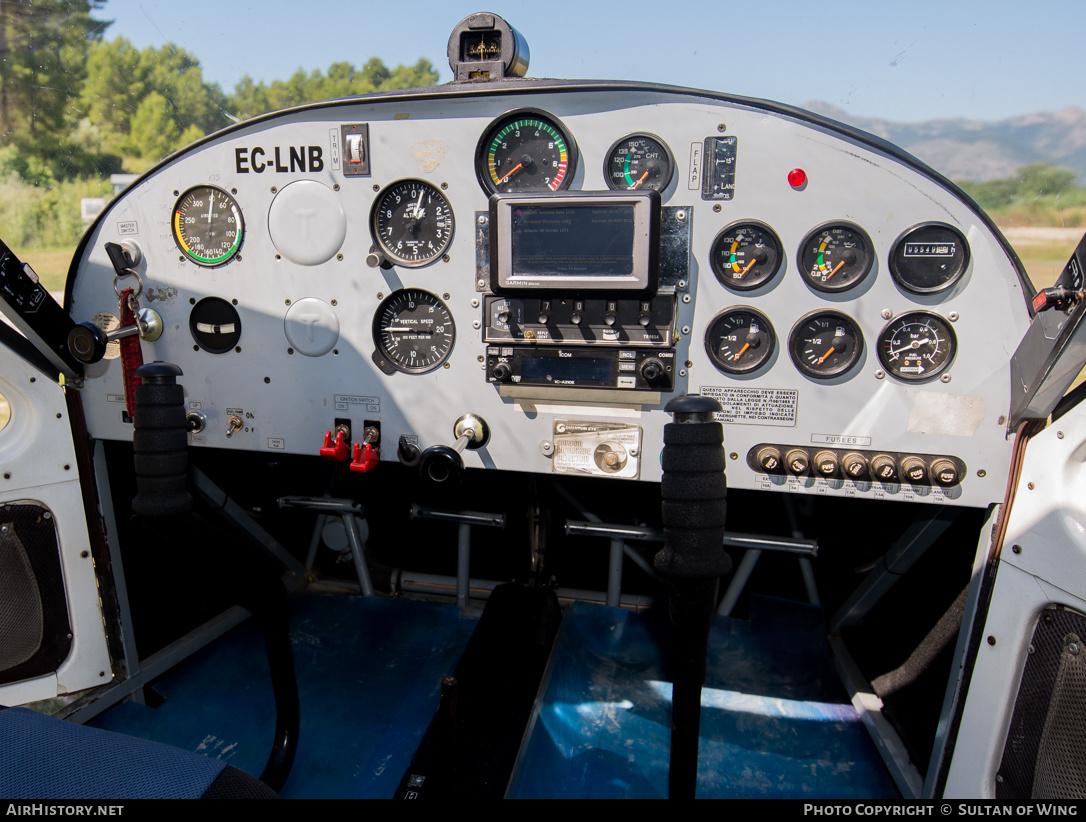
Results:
[775, 719]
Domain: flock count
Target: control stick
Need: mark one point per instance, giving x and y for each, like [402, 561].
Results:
[88, 342]
[442, 464]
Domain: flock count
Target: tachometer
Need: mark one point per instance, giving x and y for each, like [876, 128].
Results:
[413, 332]
[412, 223]
[836, 257]
[526, 150]
[638, 162]
[207, 225]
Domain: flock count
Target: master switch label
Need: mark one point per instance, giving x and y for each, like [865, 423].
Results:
[755, 406]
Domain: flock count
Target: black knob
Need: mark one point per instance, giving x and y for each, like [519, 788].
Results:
[502, 372]
[855, 465]
[884, 468]
[944, 471]
[652, 370]
[915, 470]
[797, 461]
[442, 466]
[87, 342]
[826, 463]
[769, 459]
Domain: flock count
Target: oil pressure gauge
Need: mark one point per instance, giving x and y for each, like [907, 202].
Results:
[916, 346]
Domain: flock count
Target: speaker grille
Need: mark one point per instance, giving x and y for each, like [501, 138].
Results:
[1045, 753]
[35, 632]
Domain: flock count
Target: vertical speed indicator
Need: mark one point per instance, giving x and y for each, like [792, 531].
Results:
[207, 226]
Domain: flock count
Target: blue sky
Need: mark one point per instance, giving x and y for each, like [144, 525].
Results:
[908, 61]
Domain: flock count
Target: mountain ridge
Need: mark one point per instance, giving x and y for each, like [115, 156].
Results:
[981, 150]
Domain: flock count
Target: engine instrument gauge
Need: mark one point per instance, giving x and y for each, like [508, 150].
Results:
[836, 257]
[916, 346]
[740, 340]
[526, 150]
[929, 258]
[207, 225]
[746, 255]
[412, 223]
[638, 162]
[825, 344]
[413, 332]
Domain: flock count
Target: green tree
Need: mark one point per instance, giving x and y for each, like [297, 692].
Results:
[43, 48]
[148, 102]
[342, 80]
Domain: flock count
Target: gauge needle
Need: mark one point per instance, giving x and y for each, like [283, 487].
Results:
[515, 169]
[742, 351]
[418, 206]
[748, 268]
[836, 269]
[822, 359]
[913, 344]
[639, 182]
[210, 209]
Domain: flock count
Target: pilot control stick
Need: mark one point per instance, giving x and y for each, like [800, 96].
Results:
[693, 491]
[160, 443]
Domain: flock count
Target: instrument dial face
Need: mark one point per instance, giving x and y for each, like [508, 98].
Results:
[413, 331]
[746, 255]
[638, 162]
[824, 344]
[929, 258]
[740, 340]
[836, 257]
[526, 150]
[412, 223]
[916, 346]
[207, 225]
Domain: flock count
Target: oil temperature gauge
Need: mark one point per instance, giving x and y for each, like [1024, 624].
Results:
[916, 346]
[745, 255]
[836, 257]
[638, 162]
[824, 344]
[740, 340]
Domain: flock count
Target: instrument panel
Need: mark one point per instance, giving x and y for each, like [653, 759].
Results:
[560, 260]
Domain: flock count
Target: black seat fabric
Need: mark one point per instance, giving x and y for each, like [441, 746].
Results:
[46, 758]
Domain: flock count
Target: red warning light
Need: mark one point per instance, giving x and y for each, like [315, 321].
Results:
[797, 178]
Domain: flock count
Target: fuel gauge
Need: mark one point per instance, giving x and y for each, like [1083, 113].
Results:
[824, 344]
[638, 162]
[740, 340]
[836, 257]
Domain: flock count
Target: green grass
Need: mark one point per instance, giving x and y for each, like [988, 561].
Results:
[51, 265]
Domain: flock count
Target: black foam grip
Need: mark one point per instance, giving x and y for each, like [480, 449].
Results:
[160, 444]
[688, 486]
[702, 433]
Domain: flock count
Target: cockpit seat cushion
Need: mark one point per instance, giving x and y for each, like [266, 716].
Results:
[46, 758]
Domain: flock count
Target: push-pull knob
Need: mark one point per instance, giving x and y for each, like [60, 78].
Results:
[442, 464]
[87, 342]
